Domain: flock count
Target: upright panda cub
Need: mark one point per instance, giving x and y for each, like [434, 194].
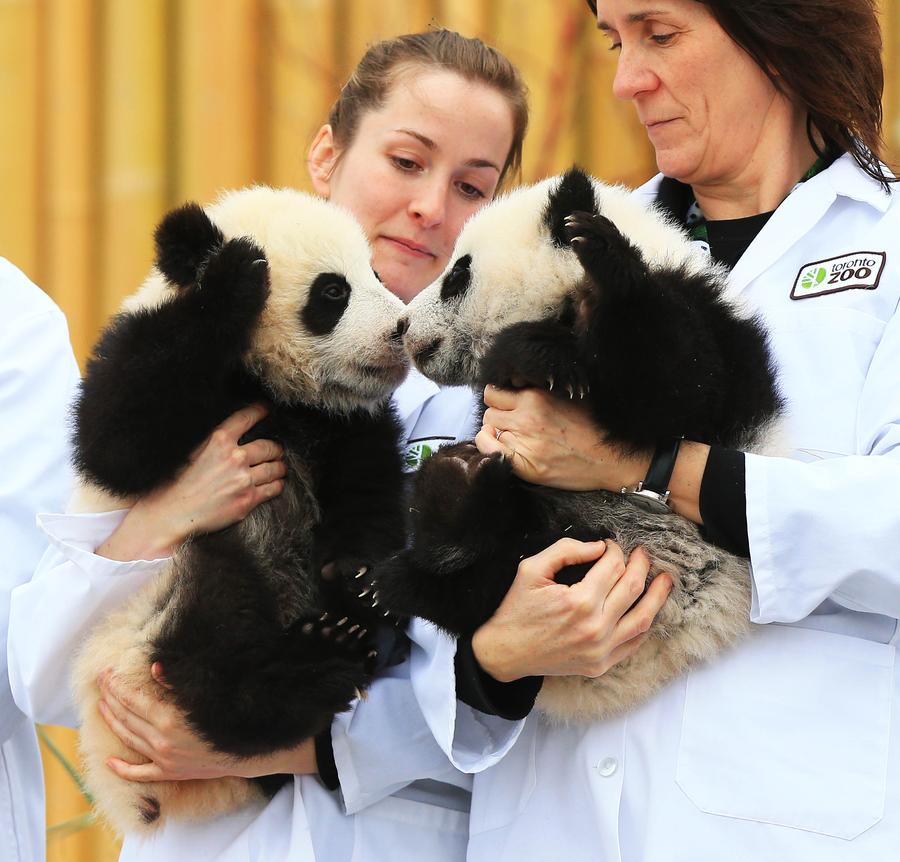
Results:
[573, 286]
[266, 296]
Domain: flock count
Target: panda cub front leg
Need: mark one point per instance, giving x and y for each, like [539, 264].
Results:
[540, 354]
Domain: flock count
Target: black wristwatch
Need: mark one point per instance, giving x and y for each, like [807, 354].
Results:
[652, 495]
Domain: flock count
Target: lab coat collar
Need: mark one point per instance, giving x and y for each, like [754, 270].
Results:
[847, 180]
[413, 393]
[797, 214]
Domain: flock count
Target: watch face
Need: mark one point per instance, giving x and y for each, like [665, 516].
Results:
[648, 501]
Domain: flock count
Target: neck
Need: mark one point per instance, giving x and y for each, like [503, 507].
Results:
[764, 180]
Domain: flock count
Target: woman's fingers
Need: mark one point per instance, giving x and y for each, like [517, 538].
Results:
[241, 421]
[565, 552]
[501, 399]
[639, 619]
[269, 471]
[131, 698]
[135, 771]
[262, 452]
[487, 442]
[626, 589]
[623, 651]
[128, 738]
[603, 576]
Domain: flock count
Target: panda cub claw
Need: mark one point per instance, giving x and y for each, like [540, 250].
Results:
[344, 636]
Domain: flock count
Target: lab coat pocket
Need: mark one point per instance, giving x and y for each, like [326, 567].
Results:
[500, 793]
[792, 729]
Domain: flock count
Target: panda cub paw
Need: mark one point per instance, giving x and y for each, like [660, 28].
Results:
[540, 354]
[606, 255]
[235, 278]
[461, 492]
[330, 636]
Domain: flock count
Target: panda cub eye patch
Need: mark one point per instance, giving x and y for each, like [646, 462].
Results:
[456, 281]
[328, 297]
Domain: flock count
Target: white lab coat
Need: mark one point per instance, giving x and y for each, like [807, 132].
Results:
[787, 747]
[382, 745]
[37, 377]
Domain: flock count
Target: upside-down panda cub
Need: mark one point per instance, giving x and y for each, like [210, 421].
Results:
[266, 296]
[574, 286]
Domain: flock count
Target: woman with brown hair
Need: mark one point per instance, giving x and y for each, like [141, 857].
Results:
[765, 116]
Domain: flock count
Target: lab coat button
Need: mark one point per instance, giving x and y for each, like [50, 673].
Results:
[607, 766]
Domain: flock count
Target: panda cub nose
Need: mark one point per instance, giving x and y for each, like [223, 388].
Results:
[402, 327]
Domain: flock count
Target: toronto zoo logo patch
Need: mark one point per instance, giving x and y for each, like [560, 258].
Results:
[859, 270]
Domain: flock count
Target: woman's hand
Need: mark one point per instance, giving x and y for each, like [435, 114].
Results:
[551, 441]
[222, 483]
[158, 732]
[547, 629]
[554, 442]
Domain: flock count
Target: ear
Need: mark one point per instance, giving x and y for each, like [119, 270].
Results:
[574, 193]
[185, 238]
[321, 159]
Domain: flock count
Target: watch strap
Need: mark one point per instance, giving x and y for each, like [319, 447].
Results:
[659, 474]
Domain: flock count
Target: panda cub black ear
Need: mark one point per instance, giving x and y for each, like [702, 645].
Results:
[185, 239]
[575, 193]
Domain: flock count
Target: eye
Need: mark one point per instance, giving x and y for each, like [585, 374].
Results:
[456, 281]
[467, 190]
[404, 164]
[662, 38]
[328, 298]
[335, 291]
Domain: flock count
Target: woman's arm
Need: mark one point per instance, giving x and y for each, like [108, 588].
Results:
[167, 748]
[551, 441]
[222, 483]
[544, 628]
[97, 561]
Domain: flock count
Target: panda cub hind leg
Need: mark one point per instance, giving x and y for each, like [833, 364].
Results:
[467, 522]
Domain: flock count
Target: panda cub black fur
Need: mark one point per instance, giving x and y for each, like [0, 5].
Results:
[266, 296]
[573, 286]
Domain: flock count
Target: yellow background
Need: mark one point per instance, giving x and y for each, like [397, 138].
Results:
[112, 111]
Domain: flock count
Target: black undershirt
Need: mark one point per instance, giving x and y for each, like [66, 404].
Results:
[728, 239]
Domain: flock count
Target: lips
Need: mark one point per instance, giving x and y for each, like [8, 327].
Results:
[410, 247]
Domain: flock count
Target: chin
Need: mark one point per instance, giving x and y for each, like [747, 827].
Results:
[404, 282]
[675, 163]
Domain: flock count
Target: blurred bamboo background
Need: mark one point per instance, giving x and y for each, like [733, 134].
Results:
[112, 111]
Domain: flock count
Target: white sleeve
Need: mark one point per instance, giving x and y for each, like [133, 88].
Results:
[831, 529]
[70, 592]
[38, 375]
[411, 726]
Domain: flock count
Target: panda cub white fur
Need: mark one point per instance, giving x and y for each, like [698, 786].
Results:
[573, 286]
[266, 296]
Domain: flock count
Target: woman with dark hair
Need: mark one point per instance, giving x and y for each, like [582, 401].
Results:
[765, 117]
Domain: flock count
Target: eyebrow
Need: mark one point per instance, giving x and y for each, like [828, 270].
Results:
[431, 145]
[633, 18]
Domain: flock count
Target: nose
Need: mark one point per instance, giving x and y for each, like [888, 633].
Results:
[429, 205]
[633, 75]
